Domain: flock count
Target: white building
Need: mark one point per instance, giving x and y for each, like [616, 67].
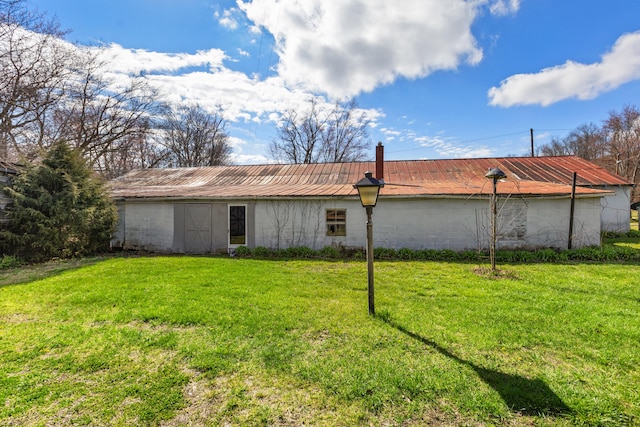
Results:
[428, 204]
[7, 172]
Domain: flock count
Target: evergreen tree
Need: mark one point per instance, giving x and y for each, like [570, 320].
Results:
[59, 208]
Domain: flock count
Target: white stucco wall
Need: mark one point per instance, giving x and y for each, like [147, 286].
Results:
[146, 226]
[288, 223]
[548, 222]
[458, 224]
[445, 223]
[616, 210]
[415, 224]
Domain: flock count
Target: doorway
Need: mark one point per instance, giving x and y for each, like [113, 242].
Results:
[237, 226]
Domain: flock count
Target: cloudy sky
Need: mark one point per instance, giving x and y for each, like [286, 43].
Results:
[439, 78]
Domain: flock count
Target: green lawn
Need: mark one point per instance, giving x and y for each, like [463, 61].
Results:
[221, 341]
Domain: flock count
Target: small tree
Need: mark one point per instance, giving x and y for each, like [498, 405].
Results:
[59, 208]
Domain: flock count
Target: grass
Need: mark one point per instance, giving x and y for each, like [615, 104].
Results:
[221, 341]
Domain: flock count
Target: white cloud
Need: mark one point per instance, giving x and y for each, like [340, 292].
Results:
[504, 7]
[573, 80]
[244, 98]
[447, 147]
[228, 18]
[136, 61]
[239, 157]
[346, 47]
[442, 146]
[250, 159]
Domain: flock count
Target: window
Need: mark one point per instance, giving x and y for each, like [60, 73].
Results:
[336, 222]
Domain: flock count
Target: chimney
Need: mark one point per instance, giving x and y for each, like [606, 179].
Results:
[380, 162]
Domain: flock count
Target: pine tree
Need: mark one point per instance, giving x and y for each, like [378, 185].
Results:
[59, 208]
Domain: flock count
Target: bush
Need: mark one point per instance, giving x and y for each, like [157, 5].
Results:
[615, 234]
[447, 255]
[300, 252]
[469, 255]
[262, 252]
[607, 253]
[385, 253]
[59, 208]
[406, 254]
[9, 261]
[547, 255]
[243, 251]
[330, 252]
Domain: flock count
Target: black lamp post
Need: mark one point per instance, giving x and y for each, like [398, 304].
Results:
[496, 175]
[368, 190]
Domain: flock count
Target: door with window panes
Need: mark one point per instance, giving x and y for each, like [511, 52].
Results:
[237, 226]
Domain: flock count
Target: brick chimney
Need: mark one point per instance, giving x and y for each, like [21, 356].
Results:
[380, 162]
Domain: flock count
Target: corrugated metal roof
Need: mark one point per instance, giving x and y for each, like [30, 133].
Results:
[8, 167]
[535, 176]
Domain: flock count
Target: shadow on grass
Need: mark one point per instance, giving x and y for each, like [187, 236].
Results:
[522, 395]
[27, 273]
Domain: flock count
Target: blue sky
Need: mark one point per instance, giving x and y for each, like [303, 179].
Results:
[438, 78]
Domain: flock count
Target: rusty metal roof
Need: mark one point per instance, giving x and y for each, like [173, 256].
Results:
[534, 176]
[9, 168]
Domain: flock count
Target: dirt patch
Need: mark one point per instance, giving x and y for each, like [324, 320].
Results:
[198, 411]
[496, 274]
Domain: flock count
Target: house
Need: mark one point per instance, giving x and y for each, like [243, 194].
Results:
[8, 171]
[425, 204]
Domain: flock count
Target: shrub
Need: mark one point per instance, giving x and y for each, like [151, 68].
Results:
[426, 254]
[615, 234]
[262, 252]
[384, 253]
[469, 255]
[59, 208]
[9, 261]
[300, 252]
[330, 252]
[447, 255]
[406, 254]
[243, 251]
[547, 255]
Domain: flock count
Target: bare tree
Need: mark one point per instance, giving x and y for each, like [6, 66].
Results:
[33, 71]
[136, 151]
[51, 91]
[586, 141]
[622, 133]
[345, 137]
[320, 135]
[193, 136]
[299, 136]
[98, 118]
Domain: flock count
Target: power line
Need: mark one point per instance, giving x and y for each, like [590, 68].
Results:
[467, 141]
[486, 138]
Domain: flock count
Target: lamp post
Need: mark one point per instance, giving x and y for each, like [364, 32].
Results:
[368, 190]
[496, 175]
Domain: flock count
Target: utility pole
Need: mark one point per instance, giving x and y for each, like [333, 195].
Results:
[533, 153]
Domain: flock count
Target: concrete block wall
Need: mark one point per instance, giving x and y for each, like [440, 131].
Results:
[147, 226]
[616, 210]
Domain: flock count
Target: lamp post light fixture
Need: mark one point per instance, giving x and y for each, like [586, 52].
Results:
[496, 175]
[368, 190]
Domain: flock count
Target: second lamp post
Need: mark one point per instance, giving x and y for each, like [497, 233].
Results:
[496, 175]
[368, 190]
